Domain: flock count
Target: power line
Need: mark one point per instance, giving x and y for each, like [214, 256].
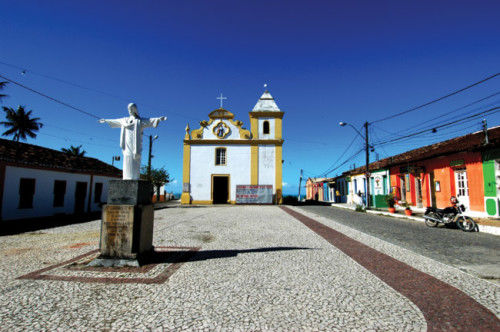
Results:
[79, 133]
[433, 128]
[51, 98]
[342, 155]
[24, 71]
[439, 124]
[347, 160]
[453, 112]
[436, 100]
[423, 125]
[70, 140]
[491, 111]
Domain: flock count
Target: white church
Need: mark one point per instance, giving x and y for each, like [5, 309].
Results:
[224, 163]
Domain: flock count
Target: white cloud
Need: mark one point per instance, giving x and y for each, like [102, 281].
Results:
[174, 182]
[284, 184]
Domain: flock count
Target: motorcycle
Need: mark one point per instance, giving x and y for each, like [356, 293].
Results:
[449, 215]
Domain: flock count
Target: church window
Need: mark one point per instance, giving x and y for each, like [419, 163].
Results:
[220, 156]
[59, 192]
[26, 193]
[265, 128]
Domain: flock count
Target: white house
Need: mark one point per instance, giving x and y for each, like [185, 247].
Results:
[40, 182]
[222, 154]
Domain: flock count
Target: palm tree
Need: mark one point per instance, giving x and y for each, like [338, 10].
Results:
[20, 123]
[74, 151]
[2, 85]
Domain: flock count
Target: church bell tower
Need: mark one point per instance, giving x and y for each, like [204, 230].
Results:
[266, 127]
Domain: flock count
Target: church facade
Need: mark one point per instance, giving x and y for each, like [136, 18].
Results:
[222, 154]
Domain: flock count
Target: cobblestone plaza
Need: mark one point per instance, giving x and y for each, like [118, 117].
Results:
[237, 268]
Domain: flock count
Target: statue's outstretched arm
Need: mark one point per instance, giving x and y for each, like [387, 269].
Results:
[153, 122]
[113, 123]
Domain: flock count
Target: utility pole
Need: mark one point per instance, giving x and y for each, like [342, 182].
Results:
[367, 151]
[367, 173]
[151, 139]
[300, 183]
[485, 130]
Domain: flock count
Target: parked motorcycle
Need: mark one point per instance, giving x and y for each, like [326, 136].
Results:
[449, 215]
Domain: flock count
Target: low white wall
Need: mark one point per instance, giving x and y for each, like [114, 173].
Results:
[44, 192]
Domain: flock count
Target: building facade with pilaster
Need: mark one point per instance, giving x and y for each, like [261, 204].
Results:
[222, 154]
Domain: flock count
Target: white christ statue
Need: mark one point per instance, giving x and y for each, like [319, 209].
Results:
[131, 139]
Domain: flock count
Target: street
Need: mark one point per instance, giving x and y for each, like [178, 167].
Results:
[476, 253]
[240, 268]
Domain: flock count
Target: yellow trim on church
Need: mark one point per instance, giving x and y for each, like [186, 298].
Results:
[186, 171]
[254, 164]
[277, 128]
[254, 127]
[279, 173]
[247, 137]
[234, 142]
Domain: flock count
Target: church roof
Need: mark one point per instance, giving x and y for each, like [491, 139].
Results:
[221, 113]
[266, 103]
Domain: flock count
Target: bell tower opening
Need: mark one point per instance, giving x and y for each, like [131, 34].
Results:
[265, 128]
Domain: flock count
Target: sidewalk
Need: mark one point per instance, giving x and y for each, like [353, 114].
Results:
[417, 216]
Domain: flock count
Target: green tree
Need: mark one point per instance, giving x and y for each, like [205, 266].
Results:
[2, 85]
[158, 177]
[20, 123]
[74, 151]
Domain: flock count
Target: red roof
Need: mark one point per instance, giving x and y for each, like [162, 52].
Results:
[38, 156]
[469, 142]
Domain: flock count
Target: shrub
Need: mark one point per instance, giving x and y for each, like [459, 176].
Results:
[360, 208]
[390, 200]
[405, 205]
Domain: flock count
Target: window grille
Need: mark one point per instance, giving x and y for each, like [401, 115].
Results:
[220, 156]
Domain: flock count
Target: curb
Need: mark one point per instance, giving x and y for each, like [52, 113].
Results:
[482, 228]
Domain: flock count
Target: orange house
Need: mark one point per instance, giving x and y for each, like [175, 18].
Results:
[430, 175]
[431, 182]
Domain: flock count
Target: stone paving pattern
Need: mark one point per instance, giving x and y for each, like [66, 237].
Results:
[476, 252]
[258, 269]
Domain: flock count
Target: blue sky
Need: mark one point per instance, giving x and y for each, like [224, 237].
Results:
[324, 62]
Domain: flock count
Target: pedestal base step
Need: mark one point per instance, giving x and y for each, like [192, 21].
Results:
[114, 262]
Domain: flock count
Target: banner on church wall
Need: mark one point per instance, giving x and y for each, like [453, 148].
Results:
[254, 194]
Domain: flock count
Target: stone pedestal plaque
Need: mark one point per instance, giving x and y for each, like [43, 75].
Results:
[117, 231]
[126, 229]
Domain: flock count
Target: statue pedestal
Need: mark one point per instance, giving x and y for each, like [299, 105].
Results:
[127, 224]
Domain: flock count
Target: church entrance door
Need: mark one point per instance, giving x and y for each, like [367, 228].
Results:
[220, 189]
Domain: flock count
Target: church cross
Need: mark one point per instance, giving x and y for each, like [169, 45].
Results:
[221, 99]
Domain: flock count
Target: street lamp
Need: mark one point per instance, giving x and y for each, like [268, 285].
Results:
[151, 139]
[343, 124]
[367, 152]
[117, 158]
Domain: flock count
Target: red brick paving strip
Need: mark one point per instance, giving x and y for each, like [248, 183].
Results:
[443, 306]
[160, 278]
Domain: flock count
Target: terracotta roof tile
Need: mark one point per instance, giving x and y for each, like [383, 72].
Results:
[38, 156]
[469, 142]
